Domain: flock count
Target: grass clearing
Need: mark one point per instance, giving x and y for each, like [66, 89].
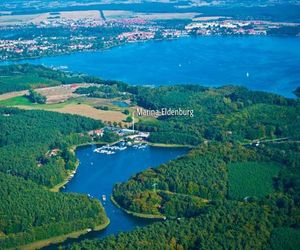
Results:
[15, 101]
[25, 103]
[254, 179]
[77, 106]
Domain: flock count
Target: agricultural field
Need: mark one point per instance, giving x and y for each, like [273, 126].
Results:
[62, 99]
[251, 179]
[68, 107]
[55, 94]
[167, 16]
[61, 93]
[117, 14]
[122, 14]
[11, 95]
[44, 17]
[91, 112]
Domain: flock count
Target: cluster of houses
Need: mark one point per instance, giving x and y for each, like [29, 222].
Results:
[96, 132]
[136, 36]
[235, 27]
[53, 152]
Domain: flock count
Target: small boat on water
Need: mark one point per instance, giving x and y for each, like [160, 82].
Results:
[104, 197]
[140, 146]
[109, 150]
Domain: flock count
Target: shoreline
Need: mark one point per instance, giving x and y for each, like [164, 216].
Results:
[57, 187]
[61, 238]
[150, 216]
[72, 235]
[76, 234]
[139, 215]
[13, 60]
[166, 145]
[120, 44]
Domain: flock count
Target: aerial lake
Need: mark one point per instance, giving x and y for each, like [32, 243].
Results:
[260, 63]
[98, 173]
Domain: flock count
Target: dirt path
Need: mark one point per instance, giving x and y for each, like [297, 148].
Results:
[12, 94]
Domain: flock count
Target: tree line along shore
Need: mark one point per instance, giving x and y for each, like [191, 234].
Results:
[206, 194]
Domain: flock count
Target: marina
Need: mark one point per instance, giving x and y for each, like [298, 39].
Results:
[98, 182]
[109, 150]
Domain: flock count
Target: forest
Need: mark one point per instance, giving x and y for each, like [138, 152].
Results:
[36, 97]
[207, 199]
[231, 225]
[227, 113]
[40, 131]
[102, 91]
[269, 221]
[237, 189]
[18, 77]
[29, 211]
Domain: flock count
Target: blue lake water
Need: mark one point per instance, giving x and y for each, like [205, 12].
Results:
[261, 63]
[120, 104]
[98, 173]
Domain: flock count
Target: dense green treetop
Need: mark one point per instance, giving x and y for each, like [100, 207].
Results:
[17, 77]
[231, 126]
[29, 211]
[297, 92]
[196, 185]
[26, 137]
[227, 113]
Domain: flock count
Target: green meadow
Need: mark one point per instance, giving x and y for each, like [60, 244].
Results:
[24, 101]
[254, 179]
[16, 101]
